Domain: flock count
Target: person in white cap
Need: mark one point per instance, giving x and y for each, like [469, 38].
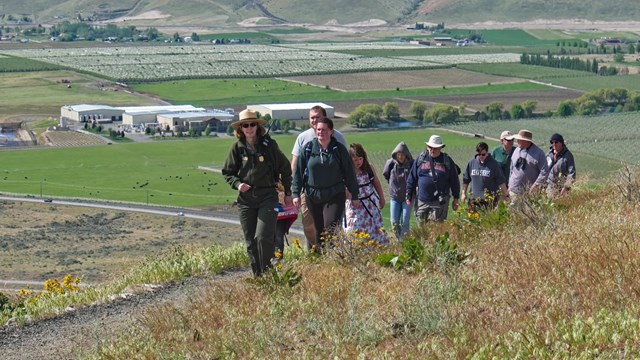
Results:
[529, 169]
[433, 180]
[502, 154]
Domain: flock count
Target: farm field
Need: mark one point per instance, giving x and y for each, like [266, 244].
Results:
[42, 93]
[573, 79]
[436, 78]
[97, 245]
[231, 93]
[608, 137]
[154, 63]
[547, 100]
[166, 173]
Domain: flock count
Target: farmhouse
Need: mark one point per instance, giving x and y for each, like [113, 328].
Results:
[291, 111]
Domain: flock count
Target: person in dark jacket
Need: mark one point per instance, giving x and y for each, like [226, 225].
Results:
[502, 154]
[487, 181]
[396, 172]
[562, 167]
[253, 167]
[435, 176]
[323, 170]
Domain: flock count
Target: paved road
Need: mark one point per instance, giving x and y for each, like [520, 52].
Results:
[218, 216]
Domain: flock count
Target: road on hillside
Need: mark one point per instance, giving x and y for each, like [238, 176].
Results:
[218, 216]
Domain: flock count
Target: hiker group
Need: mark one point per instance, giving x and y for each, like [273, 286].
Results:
[337, 189]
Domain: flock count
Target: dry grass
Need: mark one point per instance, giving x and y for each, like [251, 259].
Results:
[564, 288]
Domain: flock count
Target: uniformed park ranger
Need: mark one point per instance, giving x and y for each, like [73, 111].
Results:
[253, 167]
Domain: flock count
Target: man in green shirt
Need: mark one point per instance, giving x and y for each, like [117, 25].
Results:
[502, 154]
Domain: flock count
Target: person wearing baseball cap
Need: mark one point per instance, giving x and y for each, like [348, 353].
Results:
[562, 167]
[433, 180]
[502, 154]
[529, 169]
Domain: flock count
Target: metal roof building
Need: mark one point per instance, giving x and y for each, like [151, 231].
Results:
[129, 115]
[195, 120]
[291, 111]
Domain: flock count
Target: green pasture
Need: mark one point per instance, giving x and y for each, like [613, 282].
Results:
[626, 35]
[630, 82]
[550, 34]
[42, 93]
[579, 80]
[15, 64]
[506, 37]
[166, 173]
[228, 91]
[238, 91]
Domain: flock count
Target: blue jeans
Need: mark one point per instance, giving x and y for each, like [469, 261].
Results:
[400, 217]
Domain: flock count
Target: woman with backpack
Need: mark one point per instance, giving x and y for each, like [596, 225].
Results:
[396, 172]
[366, 218]
[253, 167]
[322, 172]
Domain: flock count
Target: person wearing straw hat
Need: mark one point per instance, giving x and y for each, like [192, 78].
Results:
[562, 167]
[433, 180]
[253, 167]
[502, 154]
[529, 169]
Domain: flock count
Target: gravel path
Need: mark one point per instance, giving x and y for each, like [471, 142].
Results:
[63, 336]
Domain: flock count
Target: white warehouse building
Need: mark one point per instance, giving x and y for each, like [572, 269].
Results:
[129, 115]
[291, 111]
[183, 121]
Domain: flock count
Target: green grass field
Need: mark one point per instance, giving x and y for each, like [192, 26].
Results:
[166, 172]
[41, 93]
[232, 91]
[507, 37]
[15, 64]
[238, 91]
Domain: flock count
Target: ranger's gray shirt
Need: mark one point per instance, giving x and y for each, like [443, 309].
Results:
[533, 171]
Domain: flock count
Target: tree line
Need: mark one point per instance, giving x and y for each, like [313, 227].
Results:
[592, 103]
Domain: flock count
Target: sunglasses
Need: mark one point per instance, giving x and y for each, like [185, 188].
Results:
[482, 154]
[246, 125]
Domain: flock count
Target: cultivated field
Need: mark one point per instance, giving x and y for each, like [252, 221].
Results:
[154, 63]
[41, 94]
[72, 139]
[436, 78]
[611, 137]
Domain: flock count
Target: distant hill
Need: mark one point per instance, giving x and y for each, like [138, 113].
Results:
[232, 12]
